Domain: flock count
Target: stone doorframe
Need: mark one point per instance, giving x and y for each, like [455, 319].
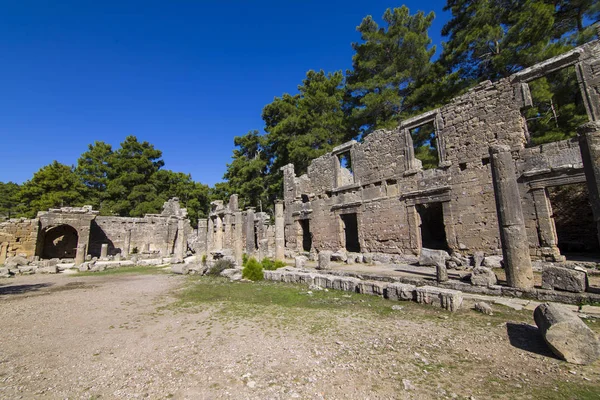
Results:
[546, 228]
[433, 195]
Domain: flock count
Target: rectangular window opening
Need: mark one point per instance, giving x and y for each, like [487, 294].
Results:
[425, 145]
[345, 173]
[306, 235]
[557, 108]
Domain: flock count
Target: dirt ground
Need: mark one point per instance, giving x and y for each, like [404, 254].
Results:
[163, 336]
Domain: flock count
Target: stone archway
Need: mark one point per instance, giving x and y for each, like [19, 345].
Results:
[60, 242]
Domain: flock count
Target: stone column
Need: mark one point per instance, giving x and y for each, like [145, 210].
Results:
[104, 251]
[515, 246]
[589, 143]
[413, 228]
[250, 244]
[238, 237]
[167, 238]
[181, 241]
[127, 245]
[80, 255]
[203, 232]
[279, 231]
[3, 252]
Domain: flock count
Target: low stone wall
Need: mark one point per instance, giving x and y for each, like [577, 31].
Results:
[18, 237]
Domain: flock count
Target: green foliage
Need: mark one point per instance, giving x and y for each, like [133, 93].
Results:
[219, 266]
[245, 259]
[9, 199]
[270, 265]
[386, 67]
[55, 185]
[203, 259]
[253, 270]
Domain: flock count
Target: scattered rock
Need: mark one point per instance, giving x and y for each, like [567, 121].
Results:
[478, 259]
[339, 256]
[566, 334]
[300, 262]
[16, 261]
[181, 269]
[482, 276]
[324, 259]
[433, 257]
[484, 308]
[493, 262]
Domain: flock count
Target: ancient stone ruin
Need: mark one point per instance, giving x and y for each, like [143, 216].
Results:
[489, 196]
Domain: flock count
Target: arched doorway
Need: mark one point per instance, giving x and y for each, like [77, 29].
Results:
[60, 242]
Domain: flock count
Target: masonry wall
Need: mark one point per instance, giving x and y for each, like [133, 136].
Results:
[389, 183]
[19, 237]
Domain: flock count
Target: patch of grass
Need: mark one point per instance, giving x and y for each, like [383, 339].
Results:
[137, 269]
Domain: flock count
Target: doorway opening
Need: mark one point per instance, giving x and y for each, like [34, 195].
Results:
[573, 219]
[433, 230]
[350, 232]
[306, 236]
[60, 242]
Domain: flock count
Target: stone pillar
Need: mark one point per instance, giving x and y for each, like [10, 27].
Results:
[589, 143]
[279, 231]
[181, 241]
[127, 245]
[545, 224]
[238, 237]
[233, 203]
[104, 251]
[250, 243]
[165, 251]
[515, 246]
[413, 229]
[3, 252]
[203, 232]
[80, 255]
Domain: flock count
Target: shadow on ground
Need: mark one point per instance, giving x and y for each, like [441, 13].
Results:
[527, 337]
[20, 289]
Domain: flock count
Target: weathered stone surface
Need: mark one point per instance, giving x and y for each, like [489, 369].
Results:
[401, 291]
[347, 284]
[441, 273]
[372, 288]
[4, 273]
[15, 261]
[339, 256]
[47, 270]
[492, 262]
[27, 269]
[484, 308]
[570, 280]
[478, 258]
[448, 299]
[483, 276]
[181, 269]
[568, 337]
[433, 257]
[324, 259]
[300, 261]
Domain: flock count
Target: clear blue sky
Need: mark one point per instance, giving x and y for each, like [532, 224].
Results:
[187, 76]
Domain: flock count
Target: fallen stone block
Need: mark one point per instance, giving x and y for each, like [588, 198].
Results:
[401, 291]
[484, 308]
[434, 258]
[28, 269]
[478, 258]
[324, 259]
[561, 278]
[566, 334]
[372, 288]
[180, 269]
[339, 256]
[16, 261]
[300, 261]
[482, 276]
[4, 273]
[492, 261]
[448, 299]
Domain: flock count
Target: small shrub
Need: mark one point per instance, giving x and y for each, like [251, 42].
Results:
[253, 270]
[219, 267]
[244, 259]
[203, 259]
[279, 264]
[268, 264]
[134, 250]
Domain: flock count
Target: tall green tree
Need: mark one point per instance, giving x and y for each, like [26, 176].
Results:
[94, 168]
[55, 185]
[9, 199]
[129, 188]
[386, 66]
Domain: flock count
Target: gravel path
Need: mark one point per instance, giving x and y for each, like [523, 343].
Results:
[117, 337]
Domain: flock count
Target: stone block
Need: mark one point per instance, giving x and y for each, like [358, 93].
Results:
[372, 288]
[339, 256]
[560, 278]
[401, 291]
[320, 280]
[180, 269]
[448, 299]
[483, 308]
[300, 261]
[16, 261]
[434, 258]
[347, 284]
[482, 276]
[48, 270]
[478, 258]
[324, 259]
[566, 334]
[492, 262]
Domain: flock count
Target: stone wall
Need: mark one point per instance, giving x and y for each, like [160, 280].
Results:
[18, 237]
[388, 187]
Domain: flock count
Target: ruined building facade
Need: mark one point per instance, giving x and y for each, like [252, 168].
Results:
[375, 196]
